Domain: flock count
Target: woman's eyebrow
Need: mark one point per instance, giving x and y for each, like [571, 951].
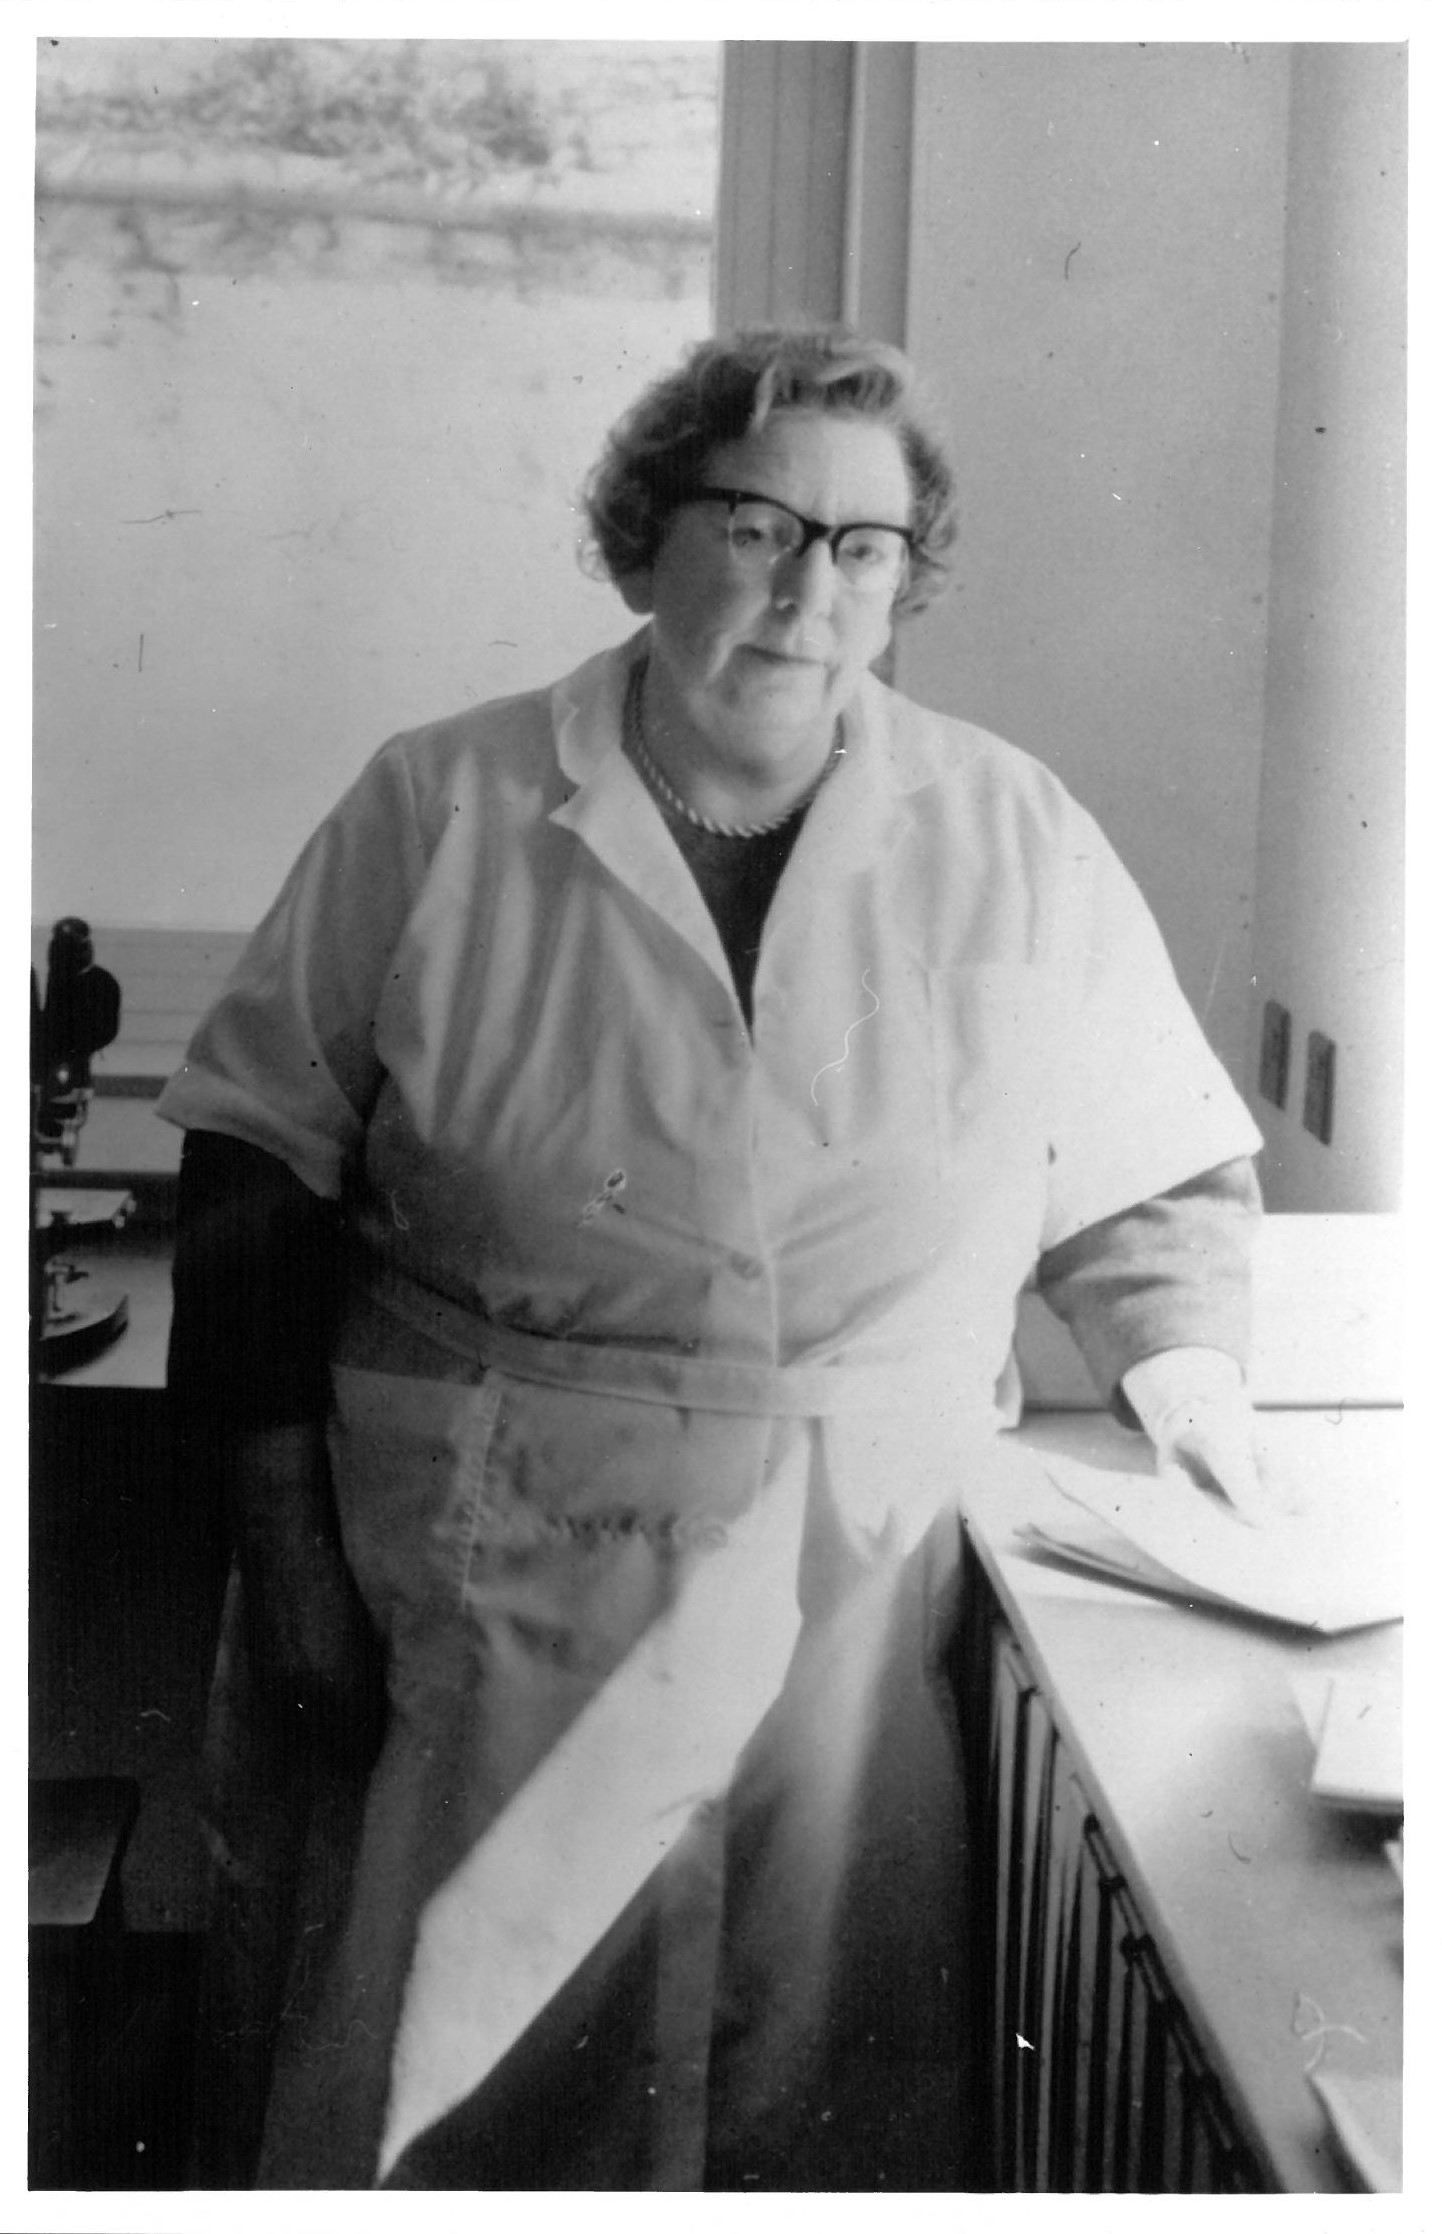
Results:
[807, 519]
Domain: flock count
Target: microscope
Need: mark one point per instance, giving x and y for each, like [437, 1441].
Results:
[79, 1013]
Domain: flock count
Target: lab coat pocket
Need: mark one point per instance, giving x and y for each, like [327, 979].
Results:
[993, 1029]
[579, 1514]
[409, 1459]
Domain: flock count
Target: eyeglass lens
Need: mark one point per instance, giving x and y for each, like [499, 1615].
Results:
[870, 558]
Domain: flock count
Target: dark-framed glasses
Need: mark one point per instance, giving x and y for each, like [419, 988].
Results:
[871, 556]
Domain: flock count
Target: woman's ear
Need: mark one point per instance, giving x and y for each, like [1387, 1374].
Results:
[636, 591]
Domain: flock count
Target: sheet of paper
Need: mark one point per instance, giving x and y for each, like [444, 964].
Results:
[1364, 2111]
[1327, 1569]
[1355, 1724]
[1359, 1751]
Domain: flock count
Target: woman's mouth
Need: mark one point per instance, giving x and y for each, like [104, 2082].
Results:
[778, 658]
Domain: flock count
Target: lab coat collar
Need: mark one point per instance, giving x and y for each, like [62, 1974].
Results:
[613, 813]
[587, 707]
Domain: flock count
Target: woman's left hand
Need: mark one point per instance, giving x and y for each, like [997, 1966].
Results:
[1211, 1445]
[1195, 1408]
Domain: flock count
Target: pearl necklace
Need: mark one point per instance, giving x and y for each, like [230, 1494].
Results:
[671, 800]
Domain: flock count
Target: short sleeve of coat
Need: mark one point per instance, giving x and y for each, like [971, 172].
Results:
[286, 1059]
[1140, 1102]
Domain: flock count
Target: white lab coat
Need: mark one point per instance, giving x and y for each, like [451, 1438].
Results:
[668, 1342]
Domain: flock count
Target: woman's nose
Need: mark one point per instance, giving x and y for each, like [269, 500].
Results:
[806, 581]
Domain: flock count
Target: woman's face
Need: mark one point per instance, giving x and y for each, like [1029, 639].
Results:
[775, 659]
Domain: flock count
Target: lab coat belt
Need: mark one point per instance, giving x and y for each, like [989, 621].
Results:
[708, 1384]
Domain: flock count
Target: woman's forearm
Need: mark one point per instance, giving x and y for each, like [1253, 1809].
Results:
[256, 1282]
[313, 1649]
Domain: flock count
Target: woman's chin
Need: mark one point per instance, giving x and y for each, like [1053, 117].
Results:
[770, 683]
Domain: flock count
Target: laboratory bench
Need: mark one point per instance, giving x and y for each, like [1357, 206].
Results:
[126, 1567]
[1184, 1949]
[1180, 1933]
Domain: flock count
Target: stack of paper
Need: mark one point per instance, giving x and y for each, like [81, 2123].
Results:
[1327, 1570]
[1355, 1723]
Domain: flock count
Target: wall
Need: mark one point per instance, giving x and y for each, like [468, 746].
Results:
[326, 343]
[1329, 917]
[1096, 267]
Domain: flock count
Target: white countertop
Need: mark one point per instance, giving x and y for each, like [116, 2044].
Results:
[1278, 1919]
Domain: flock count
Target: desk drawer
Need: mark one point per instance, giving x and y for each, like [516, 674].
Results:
[1100, 2085]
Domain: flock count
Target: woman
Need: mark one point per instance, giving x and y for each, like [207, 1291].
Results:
[700, 1057]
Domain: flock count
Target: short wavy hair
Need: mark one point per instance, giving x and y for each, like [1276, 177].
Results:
[656, 456]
